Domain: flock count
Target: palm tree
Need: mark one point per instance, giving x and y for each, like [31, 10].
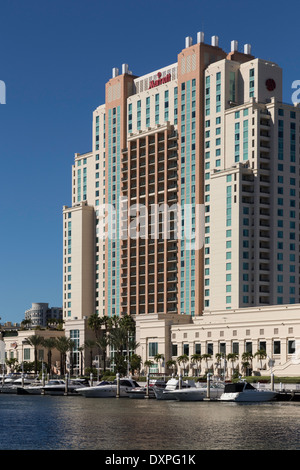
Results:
[260, 354]
[95, 323]
[11, 363]
[219, 356]
[232, 357]
[206, 356]
[90, 344]
[183, 360]
[25, 323]
[63, 345]
[245, 366]
[135, 363]
[128, 323]
[247, 357]
[159, 358]
[148, 364]
[171, 364]
[102, 343]
[121, 337]
[49, 343]
[35, 341]
[196, 359]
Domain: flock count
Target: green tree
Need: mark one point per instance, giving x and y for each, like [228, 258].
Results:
[260, 354]
[148, 364]
[183, 359]
[102, 343]
[63, 345]
[90, 344]
[247, 357]
[245, 366]
[196, 359]
[206, 356]
[95, 323]
[35, 341]
[26, 323]
[171, 364]
[12, 363]
[122, 338]
[159, 359]
[135, 362]
[49, 344]
[232, 357]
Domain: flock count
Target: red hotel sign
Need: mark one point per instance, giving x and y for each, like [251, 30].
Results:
[160, 80]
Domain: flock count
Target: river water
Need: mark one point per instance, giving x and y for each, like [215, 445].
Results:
[79, 423]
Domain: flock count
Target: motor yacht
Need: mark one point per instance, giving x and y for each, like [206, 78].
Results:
[141, 391]
[172, 385]
[58, 386]
[13, 383]
[35, 388]
[198, 392]
[52, 387]
[105, 389]
[245, 392]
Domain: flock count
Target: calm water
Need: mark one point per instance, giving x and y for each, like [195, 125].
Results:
[78, 423]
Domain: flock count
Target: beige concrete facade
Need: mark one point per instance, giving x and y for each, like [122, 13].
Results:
[276, 329]
[210, 131]
[79, 273]
[251, 175]
[16, 347]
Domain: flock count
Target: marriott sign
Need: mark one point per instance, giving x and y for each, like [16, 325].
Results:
[160, 80]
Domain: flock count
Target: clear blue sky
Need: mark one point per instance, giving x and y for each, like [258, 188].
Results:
[55, 57]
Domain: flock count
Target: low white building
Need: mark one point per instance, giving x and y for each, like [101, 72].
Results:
[275, 329]
[40, 313]
[16, 346]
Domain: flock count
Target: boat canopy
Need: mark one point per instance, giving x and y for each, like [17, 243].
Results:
[237, 387]
[126, 383]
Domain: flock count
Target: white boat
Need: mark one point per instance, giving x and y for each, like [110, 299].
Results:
[141, 391]
[106, 389]
[35, 388]
[198, 392]
[8, 378]
[52, 387]
[172, 385]
[245, 392]
[13, 384]
[58, 386]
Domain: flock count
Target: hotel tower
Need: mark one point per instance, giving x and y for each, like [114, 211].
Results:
[189, 199]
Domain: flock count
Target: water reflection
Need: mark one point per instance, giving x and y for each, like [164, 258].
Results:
[44, 422]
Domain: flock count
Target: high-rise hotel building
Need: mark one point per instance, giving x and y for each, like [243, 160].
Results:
[206, 135]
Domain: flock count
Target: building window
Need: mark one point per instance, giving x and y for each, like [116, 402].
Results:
[263, 345]
[26, 354]
[276, 347]
[291, 347]
[153, 349]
